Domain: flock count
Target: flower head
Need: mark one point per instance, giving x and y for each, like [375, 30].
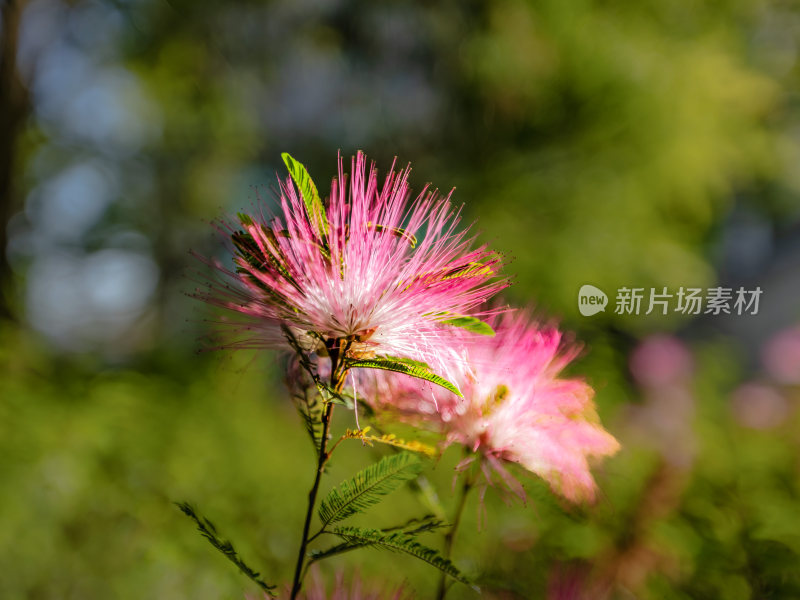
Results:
[370, 268]
[516, 408]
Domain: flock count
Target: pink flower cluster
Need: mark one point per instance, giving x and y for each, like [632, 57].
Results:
[356, 272]
[362, 276]
[516, 407]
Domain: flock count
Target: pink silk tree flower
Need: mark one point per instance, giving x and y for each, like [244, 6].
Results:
[516, 408]
[352, 271]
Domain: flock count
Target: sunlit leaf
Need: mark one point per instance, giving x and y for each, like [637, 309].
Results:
[304, 183]
[389, 439]
[471, 324]
[407, 367]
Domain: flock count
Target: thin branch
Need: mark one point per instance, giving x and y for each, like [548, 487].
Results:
[338, 374]
[449, 538]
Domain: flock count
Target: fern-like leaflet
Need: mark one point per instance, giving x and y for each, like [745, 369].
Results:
[412, 527]
[209, 531]
[368, 487]
[407, 367]
[400, 542]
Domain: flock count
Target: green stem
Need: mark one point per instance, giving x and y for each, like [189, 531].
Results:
[466, 486]
[338, 374]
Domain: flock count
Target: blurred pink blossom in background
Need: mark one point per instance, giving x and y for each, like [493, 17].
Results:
[759, 406]
[662, 365]
[781, 356]
[660, 360]
[516, 408]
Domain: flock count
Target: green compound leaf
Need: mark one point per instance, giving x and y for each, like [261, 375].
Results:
[400, 542]
[317, 555]
[209, 531]
[368, 487]
[417, 525]
[304, 183]
[471, 324]
[411, 528]
[407, 367]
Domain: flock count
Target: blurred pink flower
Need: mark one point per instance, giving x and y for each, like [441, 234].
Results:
[661, 360]
[515, 408]
[662, 365]
[358, 273]
[759, 406]
[781, 356]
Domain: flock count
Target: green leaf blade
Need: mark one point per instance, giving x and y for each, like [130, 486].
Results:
[471, 324]
[309, 193]
[407, 367]
[368, 487]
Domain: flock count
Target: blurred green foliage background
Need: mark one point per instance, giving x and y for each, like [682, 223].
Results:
[649, 143]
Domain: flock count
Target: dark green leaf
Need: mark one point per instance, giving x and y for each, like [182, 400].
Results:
[368, 487]
[418, 525]
[208, 531]
[412, 527]
[317, 555]
[400, 542]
